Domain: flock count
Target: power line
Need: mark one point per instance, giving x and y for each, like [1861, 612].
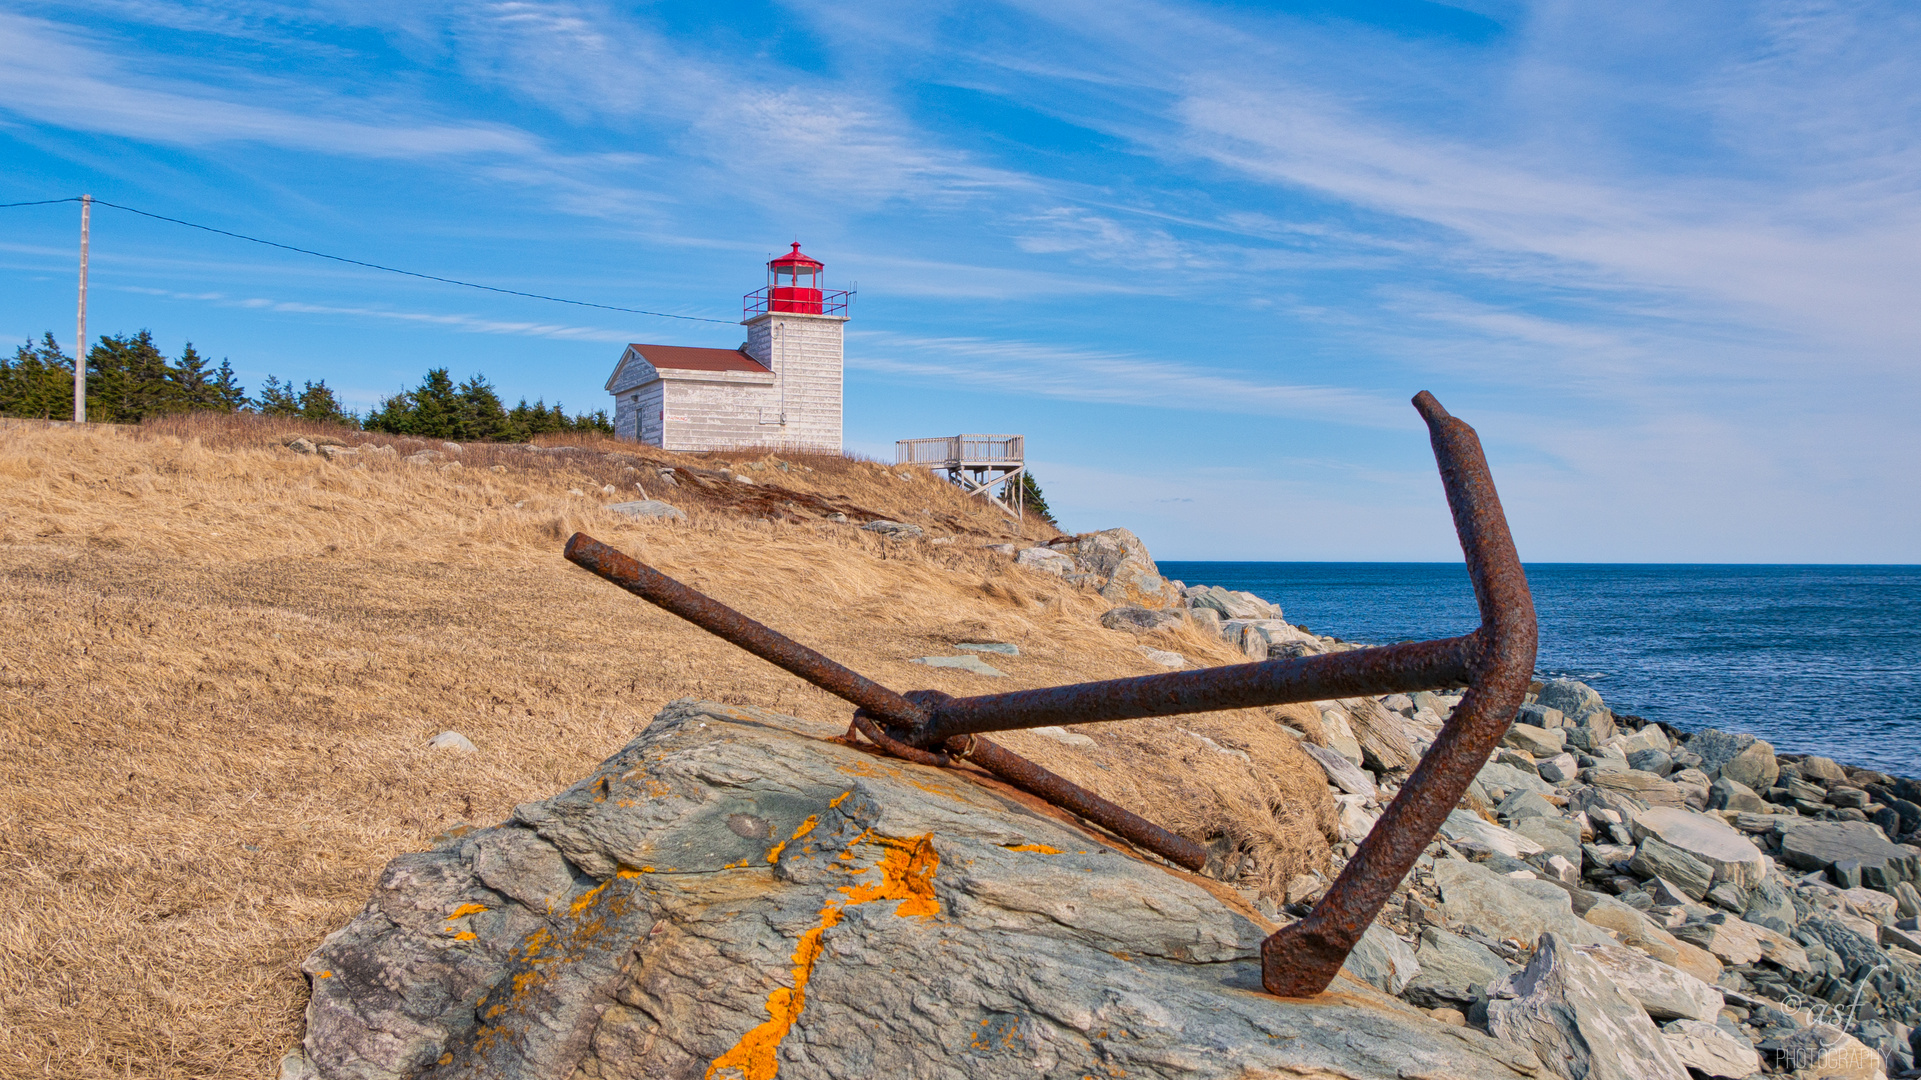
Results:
[373, 266]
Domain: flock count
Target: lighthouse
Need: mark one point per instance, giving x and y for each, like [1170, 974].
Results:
[780, 389]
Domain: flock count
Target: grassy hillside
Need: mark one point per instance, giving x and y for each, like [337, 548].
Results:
[222, 661]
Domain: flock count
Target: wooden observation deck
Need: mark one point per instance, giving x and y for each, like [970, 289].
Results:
[977, 463]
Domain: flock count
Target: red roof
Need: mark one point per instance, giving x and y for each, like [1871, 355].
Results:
[684, 358]
[795, 260]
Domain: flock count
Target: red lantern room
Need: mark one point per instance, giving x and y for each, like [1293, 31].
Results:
[793, 285]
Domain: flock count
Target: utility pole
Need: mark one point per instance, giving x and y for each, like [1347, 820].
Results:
[80, 335]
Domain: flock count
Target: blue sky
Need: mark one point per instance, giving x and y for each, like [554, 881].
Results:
[1664, 257]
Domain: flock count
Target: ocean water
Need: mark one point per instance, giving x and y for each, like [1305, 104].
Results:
[1815, 659]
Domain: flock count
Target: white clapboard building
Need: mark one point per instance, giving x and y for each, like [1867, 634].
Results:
[781, 389]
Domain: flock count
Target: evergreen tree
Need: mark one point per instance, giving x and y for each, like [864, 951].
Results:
[38, 382]
[482, 417]
[394, 416]
[191, 385]
[128, 379]
[436, 407]
[226, 393]
[317, 402]
[277, 399]
[1037, 502]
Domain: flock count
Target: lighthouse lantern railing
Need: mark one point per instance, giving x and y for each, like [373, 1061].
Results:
[793, 285]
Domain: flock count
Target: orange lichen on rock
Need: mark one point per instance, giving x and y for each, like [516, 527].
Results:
[906, 874]
[773, 853]
[1041, 848]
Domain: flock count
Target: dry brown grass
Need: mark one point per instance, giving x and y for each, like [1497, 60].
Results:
[219, 662]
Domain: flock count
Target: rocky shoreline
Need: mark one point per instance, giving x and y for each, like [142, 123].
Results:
[1623, 898]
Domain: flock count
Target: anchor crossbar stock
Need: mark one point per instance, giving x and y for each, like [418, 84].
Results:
[1495, 663]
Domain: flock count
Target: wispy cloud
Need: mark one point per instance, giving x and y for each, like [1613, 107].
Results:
[466, 324]
[1097, 377]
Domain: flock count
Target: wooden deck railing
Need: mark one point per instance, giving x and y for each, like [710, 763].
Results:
[960, 451]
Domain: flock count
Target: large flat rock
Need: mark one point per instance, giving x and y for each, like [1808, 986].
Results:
[733, 895]
[1819, 845]
[1732, 856]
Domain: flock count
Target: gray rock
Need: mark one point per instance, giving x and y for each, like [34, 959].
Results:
[1664, 992]
[1454, 971]
[300, 445]
[961, 663]
[1716, 747]
[1557, 835]
[1560, 767]
[1343, 773]
[1726, 794]
[1732, 856]
[1140, 620]
[648, 508]
[1574, 699]
[1754, 767]
[1650, 760]
[893, 530]
[1824, 845]
[451, 740]
[1540, 716]
[1712, 1050]
[1825, 1052]
[1814, 767]
[1000, 647]
[1658, 859]
[1163, 657]
[1524, 804]
[1045, 559]
[1564, 1007]
[625, 929]
[1382, 961]
[1907, 899]
[1639, 786]
[1771, 905]
[1465, 830]
[1507, 778]
[1541, 742]
[1521, 909]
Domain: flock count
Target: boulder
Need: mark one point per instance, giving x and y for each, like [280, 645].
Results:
[1382, 961]
[737, 894]
[1712, 840]
[1736, 941]
[1541, 742]
[1575, 700]
[1644, 787]
[451, 740]
[1044, 559]
[968, 662]
[1161, 657]
[1519, 909]
[1232, 605]
[1556, 835]
[1140, 620]
[1712, 1050]
[1825, 1052]
[1716, 747]
[1814, 767]
[1664, 992]
[1103, 552]
[300, 445]
[1651, 761]
[1559, 768]
[1771, 905]
[1495, 775]
[1525, 804]
[650, 508]
[1879, 907]
[1341, 772]
[1656, 858]
[1754, 767]
[1540, 716]
[1135, 577]
[1464, 829]
[893, 530]
[1726, 794]
[1567, 1010]
[1822, 845]
[1454, 971]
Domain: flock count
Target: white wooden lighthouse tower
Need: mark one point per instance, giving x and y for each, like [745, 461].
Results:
[781, 389]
